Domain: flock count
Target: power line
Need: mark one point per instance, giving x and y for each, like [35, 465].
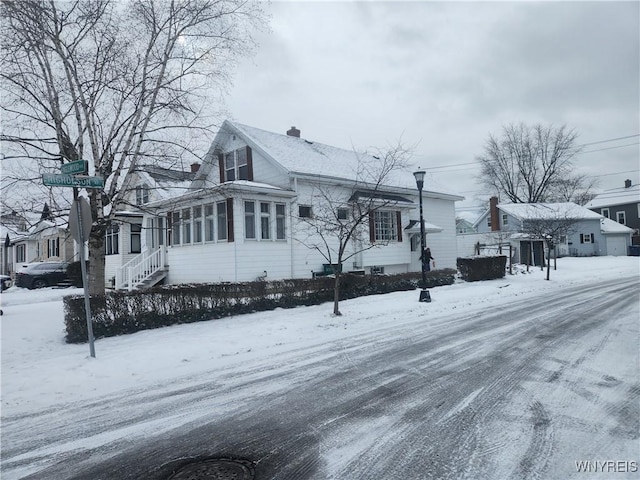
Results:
[577, 153]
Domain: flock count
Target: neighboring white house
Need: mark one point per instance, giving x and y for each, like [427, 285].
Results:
[243, 215]
[590, 234]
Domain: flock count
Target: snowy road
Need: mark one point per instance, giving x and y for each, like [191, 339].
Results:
[525, 390]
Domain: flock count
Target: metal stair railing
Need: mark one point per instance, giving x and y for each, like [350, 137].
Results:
[139, 268]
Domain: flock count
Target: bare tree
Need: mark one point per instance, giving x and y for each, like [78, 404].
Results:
[531, 164]
[550, 222]
[114, 83]
[577, 189]
[339, 228]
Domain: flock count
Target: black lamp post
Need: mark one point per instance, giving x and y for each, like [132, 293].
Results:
[425, 296]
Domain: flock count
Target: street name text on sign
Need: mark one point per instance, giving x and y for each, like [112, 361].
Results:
[66, 180]
[78, 167]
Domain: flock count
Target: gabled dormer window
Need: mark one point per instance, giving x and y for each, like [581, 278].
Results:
[236, 165]
[142, 194]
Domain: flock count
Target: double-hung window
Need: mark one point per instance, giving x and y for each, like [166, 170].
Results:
[250, 220]
[53, 247]
[136, 238]
[621, 217]
[142, 194]
[281, 222]
[221, 208]
[21, 253]
[186, 226]
[175, 228]
[209, 223]
[236, 165]
[197, 224]
[111, 240]
[265, 221]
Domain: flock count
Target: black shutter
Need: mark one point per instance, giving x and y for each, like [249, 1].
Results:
[221, 165]
[399, 222]
[592, 239]
[581, 238]
[372, 227]
[249, 164]
[229, 219]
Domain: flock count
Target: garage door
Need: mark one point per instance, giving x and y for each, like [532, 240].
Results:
[616, 245]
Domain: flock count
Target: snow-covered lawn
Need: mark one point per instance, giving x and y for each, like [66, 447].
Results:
[41, 373]
[40, 370]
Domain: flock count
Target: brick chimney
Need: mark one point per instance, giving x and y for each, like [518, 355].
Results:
[493, 212]
[627, 183]
[195, 167]
[293, 132]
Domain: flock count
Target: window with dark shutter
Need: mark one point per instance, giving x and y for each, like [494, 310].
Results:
[372, 227]
[399, 224]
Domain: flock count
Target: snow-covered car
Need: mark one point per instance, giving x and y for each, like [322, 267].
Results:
[5, 282]
[42, 274]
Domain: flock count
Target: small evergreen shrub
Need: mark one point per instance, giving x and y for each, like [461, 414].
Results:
[473, 269]
[118, 312]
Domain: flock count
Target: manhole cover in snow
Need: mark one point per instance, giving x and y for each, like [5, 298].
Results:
[215, 469]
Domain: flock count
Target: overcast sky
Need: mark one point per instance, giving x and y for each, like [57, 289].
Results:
[442, 76]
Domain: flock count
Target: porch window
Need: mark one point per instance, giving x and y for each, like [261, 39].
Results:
[111, 243]
[175, 228]
[621, 217]
[250, 220]
[281, 222]
[265, 220]
[21, 253]
[209, 223]
[197, 224]
[186, 226]
[385, 226]
[221, 208]
[136, 238]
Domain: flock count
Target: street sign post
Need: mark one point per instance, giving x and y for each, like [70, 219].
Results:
[79, 167]
[80, 228]
[68, 180]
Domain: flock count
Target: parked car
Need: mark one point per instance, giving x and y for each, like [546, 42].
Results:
[5, 282]
[43, 274]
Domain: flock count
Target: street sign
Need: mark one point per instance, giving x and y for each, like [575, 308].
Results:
[80, 216]
[66, 180]
[77, 167]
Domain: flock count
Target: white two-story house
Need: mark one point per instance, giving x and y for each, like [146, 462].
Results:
[246, 213]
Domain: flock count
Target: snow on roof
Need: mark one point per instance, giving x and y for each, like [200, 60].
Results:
[608, 226]
[548, 211]
[301, 156]
[616, 196]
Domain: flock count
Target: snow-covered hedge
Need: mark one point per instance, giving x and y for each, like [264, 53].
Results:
[118, 313]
